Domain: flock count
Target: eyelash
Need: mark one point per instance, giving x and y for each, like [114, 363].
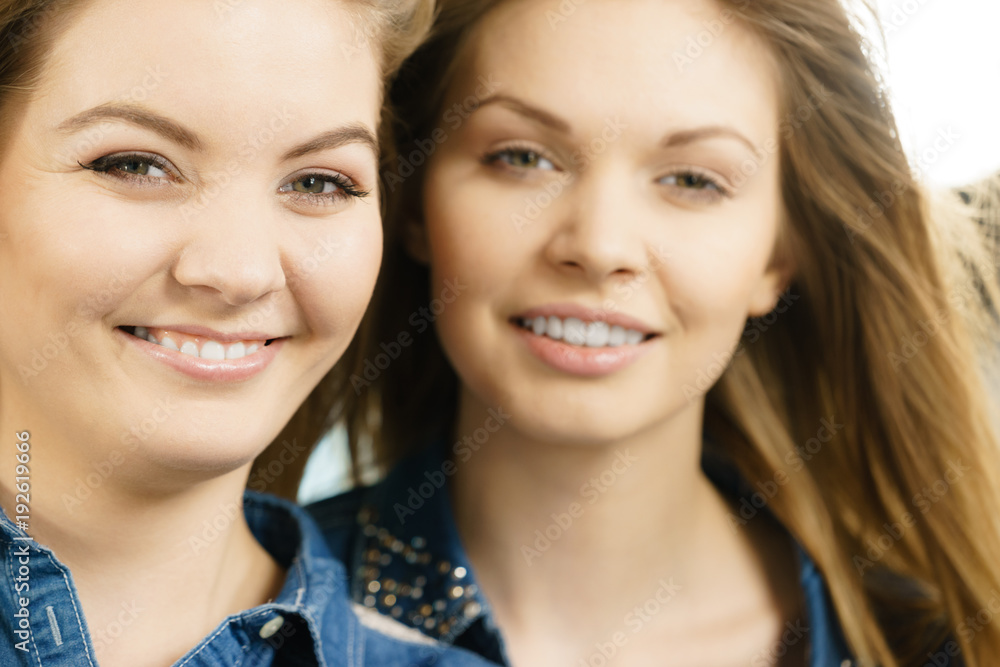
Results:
[697, 194]
[108, 165]
[721, 191]
[494, 158]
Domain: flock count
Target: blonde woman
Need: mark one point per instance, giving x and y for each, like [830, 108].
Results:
[182, 185]
[684, 368]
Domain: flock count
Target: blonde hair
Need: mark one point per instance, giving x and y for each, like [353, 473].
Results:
[895, 324]
[392, 29]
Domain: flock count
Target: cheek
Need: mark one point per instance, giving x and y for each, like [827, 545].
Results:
[335, 275]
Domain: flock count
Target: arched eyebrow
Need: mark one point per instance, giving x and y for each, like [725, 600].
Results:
[136, 115]
[671, 140]
[352, 133]
[178, 134]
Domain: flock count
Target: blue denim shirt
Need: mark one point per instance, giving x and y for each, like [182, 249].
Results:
[311, 622]
[402, 548]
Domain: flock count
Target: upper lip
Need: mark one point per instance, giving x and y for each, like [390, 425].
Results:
[212, 334]
[564, 310]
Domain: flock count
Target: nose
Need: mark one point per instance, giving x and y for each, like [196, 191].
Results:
[232, 249]
[598, 236]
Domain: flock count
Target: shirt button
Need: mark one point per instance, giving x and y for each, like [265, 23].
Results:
[271, 627]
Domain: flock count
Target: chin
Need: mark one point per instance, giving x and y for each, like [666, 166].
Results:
[208, 454]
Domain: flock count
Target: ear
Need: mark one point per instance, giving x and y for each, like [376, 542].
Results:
[415, 240]
[772, 284]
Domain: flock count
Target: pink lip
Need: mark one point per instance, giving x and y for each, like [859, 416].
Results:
[230, 370]
[564, 310]
[582, 361]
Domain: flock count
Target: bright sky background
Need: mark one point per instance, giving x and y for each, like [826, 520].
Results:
[944, 72]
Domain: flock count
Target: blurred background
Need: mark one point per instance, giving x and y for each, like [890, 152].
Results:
[942, 68]
[943, 62]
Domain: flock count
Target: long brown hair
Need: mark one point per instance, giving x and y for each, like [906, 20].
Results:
[890, 338]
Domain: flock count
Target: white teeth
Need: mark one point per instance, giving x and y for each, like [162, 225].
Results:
[212, 350]
[577, 332]
[554, 329]
[616, 337]
[597, 334]
[574, 331]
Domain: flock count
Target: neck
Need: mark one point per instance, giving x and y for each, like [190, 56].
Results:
[602, 529]
[182, 558]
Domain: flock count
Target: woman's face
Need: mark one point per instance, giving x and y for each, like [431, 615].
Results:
[192, 172]
[594, 208]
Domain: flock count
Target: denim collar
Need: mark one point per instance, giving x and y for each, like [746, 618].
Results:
[310, 621]
[409, 563]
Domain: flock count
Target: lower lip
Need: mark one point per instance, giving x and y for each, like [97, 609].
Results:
[582, 361]
[208, 370]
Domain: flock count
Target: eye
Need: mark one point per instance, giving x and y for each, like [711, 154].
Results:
[696, 185]
[520, 159]
[135, 167]
[322, 188]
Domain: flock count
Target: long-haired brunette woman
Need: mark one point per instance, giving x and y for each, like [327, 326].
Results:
[706, 381]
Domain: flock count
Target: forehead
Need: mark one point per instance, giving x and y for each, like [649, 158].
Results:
[234, 62]
[656, 62]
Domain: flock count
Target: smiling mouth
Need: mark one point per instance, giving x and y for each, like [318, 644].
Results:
[582, 333]
[198, 346]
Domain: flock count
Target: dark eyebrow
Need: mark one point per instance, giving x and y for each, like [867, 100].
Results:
[352, 133]
[552, 121]
[685, 137]
[534, 113]
[136, 115]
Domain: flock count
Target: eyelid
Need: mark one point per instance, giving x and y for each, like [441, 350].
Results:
[104, 164]
[524, 146]
[723, 188]
[347, 188]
